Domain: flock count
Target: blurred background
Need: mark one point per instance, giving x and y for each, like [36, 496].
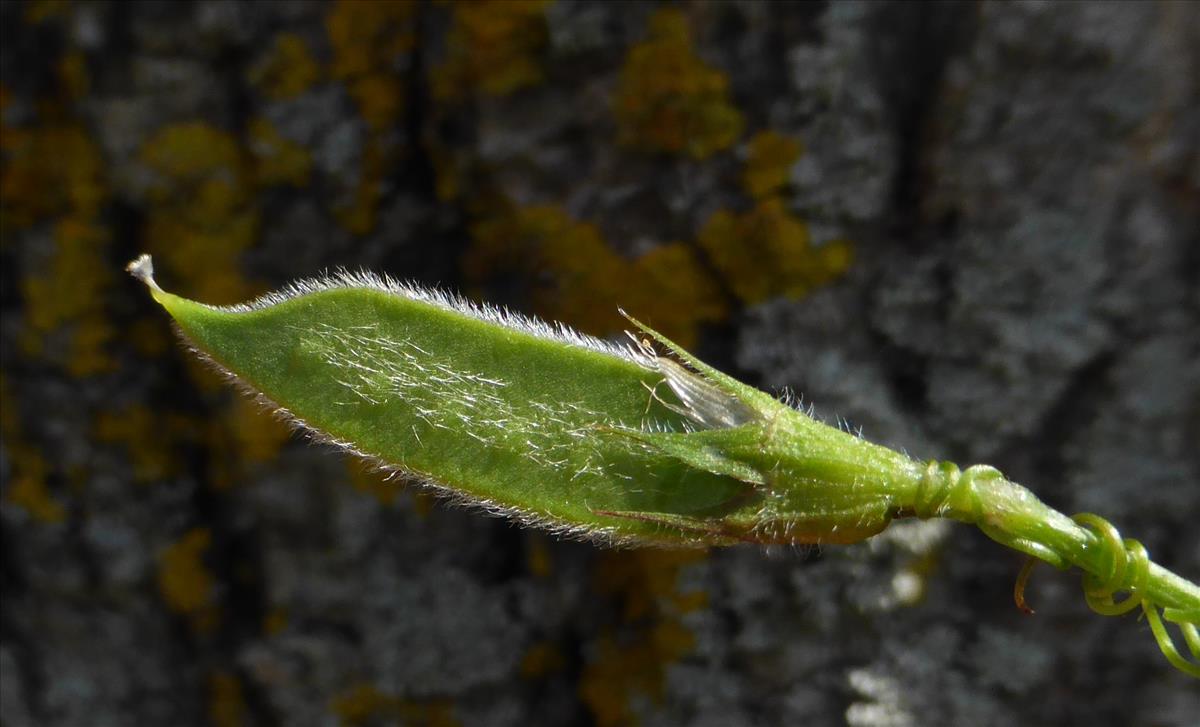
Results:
[971, 229]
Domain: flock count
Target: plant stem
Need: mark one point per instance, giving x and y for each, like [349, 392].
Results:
[1012, 515]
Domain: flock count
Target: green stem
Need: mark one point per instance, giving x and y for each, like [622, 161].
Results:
[1012, 515]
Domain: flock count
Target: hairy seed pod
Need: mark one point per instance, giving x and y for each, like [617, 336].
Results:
[622, 444]
[538, 422]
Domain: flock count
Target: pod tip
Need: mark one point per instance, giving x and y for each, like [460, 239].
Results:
[143, 269]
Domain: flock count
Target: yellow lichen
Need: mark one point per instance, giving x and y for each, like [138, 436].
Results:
[645, 580]
[73, 74]
[185, 582]
[276, 159]
[362, 703]
[669, 99]
[190, 153]
[673, 290]
[257, 438]
[370, 481]
[38, 11]
[769, 165]
[369, 34]
[447, 171]
[380, 99]
[148, 337]
[357, 704]
[146, 437]
[493, 46]
[632, 659]
[65, 295]
[10, 420]
[359, 215]
[50, 170]
[569, 256]
[226, 704]
[275, 622]
[623, 668]
[57, 172]
[47, 171]
[541, 659]
[368, 38]
[423, 503]
[203, 376]
[27, 489]
[538, 557]
[242, 436]
[768, 252]
[288, 71]
[577, 279]
[203, 213]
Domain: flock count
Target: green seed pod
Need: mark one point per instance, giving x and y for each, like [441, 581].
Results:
[541, 423]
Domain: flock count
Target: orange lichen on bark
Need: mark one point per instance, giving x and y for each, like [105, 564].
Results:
[579, 280]
[369, 37]
[38, 11]
[447, 168]
[669, 99]
[66, 294]
[645, 581]
[256, 438]
[190, 152]
[423, 502]
[288, 70]
[493, 46]
[203, 212]
[226, 703]
[10, 419]
[27, 488]
[769, 163]
[369, 481]
[148, 438]
[369, 34]
[380, 99]
[275, 622]
[73, 75]
[55, 172]
[276, 159]
[632, 660]
[148, 337]
[364, 703]
[538, 558]
[49, 170]
[358, 216]
[675, 292]
[544, 657]
[185, 582]
[242, 436]
[768, 251]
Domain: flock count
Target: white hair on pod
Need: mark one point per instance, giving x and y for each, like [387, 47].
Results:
[143, 269]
